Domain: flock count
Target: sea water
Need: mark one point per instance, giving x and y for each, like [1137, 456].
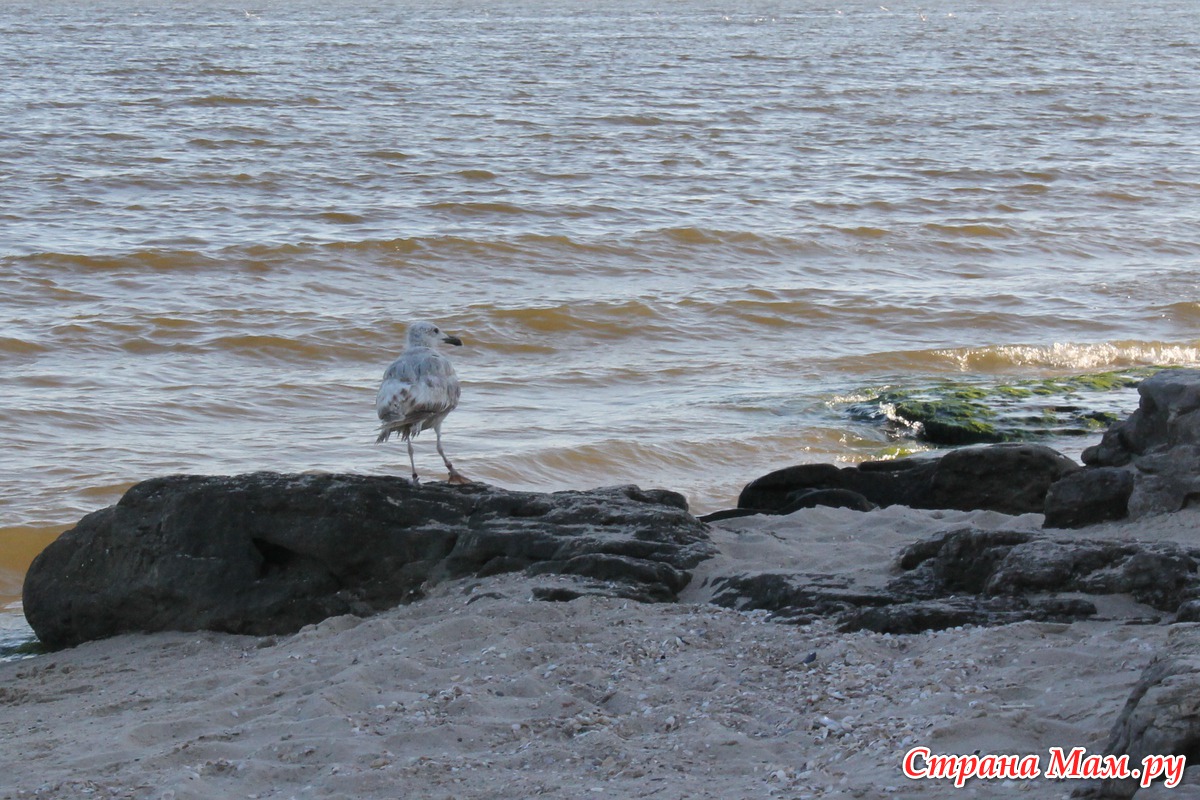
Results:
[678, 239]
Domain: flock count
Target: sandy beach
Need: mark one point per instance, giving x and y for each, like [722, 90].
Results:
[479, 692]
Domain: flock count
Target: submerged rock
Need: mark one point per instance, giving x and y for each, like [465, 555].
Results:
[953, 420]
[1010, 478]
[955, 413]
[268, 553]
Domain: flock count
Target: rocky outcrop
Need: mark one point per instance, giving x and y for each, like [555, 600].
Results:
[1010, 478]
[268, 553]
[977, 577]
[1168, 415]
[1147, 464]
[1161, 575]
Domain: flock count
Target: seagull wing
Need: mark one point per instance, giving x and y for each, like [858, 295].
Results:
[418, 390]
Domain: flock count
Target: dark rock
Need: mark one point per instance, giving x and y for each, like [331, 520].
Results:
[1189, 611]
[992, 563]
[268, 553]
[945, 420]
[830, 498]
[1168, 414]
[1162, 577]
[960, 562]
[1162, 714]
[936, 615]
[913, 617]
[771, 491]
[588, 588]
[1165, 481]
[794, 501]
[1011, 478]
[1088, 496]
[556, 594]
[948, 421]
[975, 577]
[733, 513]
[793, 597]
[1147, 464]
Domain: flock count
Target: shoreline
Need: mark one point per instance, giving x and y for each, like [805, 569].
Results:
[478, 691]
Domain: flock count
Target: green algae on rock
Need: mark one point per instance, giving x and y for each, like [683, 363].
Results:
[953, 413]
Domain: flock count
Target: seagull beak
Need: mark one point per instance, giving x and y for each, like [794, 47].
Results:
[454, 340]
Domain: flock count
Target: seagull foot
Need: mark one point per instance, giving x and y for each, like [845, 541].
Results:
[459, 479]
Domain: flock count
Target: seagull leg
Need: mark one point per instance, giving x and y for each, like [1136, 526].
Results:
[455, 477]
[412, 462]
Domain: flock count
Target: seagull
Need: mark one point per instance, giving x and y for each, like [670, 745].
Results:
[419, 389]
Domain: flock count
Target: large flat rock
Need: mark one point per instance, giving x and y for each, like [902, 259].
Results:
[269, 553]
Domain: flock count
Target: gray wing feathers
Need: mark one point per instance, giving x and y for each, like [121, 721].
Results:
[418, 390]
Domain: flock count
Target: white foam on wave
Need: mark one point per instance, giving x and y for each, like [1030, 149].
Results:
[1076, 356]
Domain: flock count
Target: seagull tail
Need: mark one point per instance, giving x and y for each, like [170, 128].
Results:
[388, 428]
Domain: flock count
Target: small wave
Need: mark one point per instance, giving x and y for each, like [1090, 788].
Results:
[974, 230]
[638, 120]
[683, 464]
[769, 57]
[866, 232]
[387, 155]
[1056, 358]
[450, 247]
[1122, 197]
[366, 245]
[227, 71]
[599, 319]
[1073, 356]
[479, 208]
[768, 309]
[219, 100]
[453, 246]
[715, 237]
[341, 217]
[203, 143]
[153, 260]
[477, 174]
[10, 344]
[1187, 311]
[271, 345]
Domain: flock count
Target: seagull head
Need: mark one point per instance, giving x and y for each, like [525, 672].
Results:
[426, 334]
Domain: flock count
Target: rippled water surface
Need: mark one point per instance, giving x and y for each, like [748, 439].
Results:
[677, 238]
